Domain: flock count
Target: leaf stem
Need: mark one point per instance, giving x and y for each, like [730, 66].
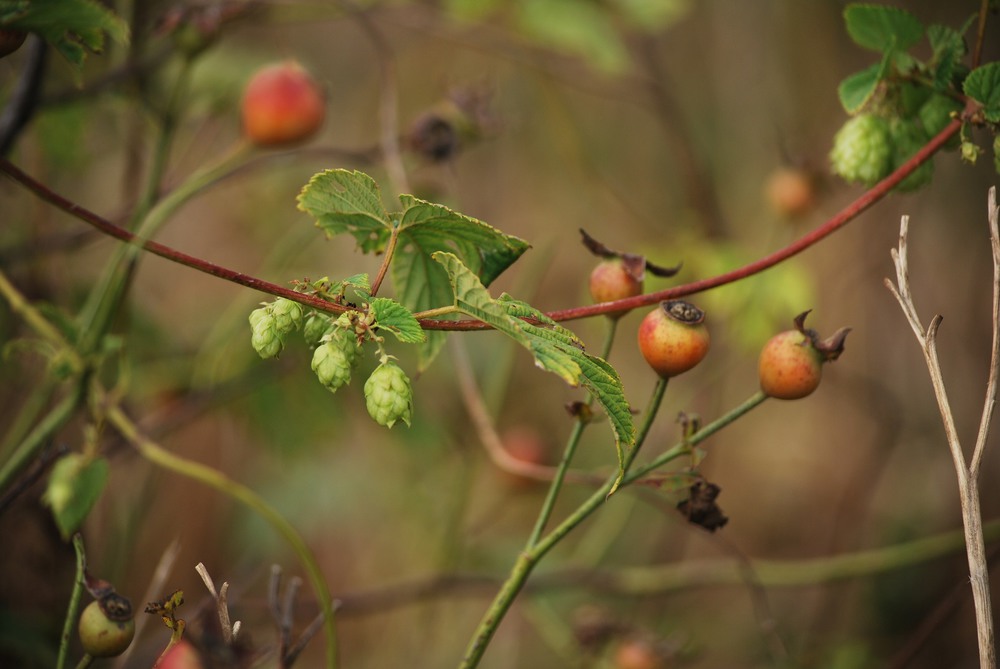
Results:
[241, 493]
[684, 447]
[38, 437]
[571, 443]
[74, 602]
[390, 250]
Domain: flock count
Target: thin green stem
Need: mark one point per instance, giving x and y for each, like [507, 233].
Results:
[241, 493]
[85, 662]
[107, 295]
[571, 443]
[74, 602]
[32, 316]
[530, 557]
[40, 436]
[701, 435]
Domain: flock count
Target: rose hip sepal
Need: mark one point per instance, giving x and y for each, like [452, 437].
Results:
[791, 363]
[673, 337]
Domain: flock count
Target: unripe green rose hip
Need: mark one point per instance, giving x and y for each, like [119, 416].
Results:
[101, 636]
[862, 149]
[388, 395]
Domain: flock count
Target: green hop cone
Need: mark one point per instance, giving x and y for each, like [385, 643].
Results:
[265, 337]
[862, 150]
[287, 315]
[936, 114]
[333, 360]
[388, 395]
[907, 139]
[315, 326]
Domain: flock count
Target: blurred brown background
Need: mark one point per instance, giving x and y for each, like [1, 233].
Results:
[657, 139]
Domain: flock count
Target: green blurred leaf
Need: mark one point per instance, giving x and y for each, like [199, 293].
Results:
[948, 50]
[652, 15]
[856, 90]
[983, 86]
[882, 28]
[75, 485]
[397, 319]
[581, 29]
[72, 27]
[554, 349]
[342, 201]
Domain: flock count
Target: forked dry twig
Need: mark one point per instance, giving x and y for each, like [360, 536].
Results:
[967, 471]
[229, 630]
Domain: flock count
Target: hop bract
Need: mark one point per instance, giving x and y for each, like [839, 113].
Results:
[388, 395]
[333, 361]
[265, 337]
[287, 315]
[862, 149]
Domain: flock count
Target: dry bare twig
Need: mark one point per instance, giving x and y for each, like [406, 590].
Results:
[967, 471]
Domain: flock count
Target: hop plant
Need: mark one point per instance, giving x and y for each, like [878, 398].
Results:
[388, 395]
[287, 315]
[315, 326]
[862, 149]
[936, 113]
[265, 338]
[907, 139]
[334, 359]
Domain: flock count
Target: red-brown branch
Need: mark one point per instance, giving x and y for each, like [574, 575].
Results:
[845, 216]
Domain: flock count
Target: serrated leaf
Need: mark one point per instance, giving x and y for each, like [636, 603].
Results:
[856, 90]
[882, 28]
[983, 86]
[349, 202]
[397, 319]
[73, 27]
[427, 228]
[552, 349]
[74, 486]
[948, 49]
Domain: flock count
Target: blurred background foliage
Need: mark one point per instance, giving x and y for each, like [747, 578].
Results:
[654, 125]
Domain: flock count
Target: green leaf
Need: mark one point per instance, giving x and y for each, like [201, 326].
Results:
[344, 201]
[421, 283]
[577, 28]
[882, 28]
[983, 86]
[74, 486]
[72, 27]
[397, 319]
[948, 50]
[555, 349]
[856, 90]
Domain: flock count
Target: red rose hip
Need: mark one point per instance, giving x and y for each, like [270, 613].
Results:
[614, 279]
[282, 104]
[791, 363]
[673, 337]
[789, 366]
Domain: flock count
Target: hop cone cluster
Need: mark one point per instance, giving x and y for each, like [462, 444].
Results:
[388, 395]
[271, 323]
